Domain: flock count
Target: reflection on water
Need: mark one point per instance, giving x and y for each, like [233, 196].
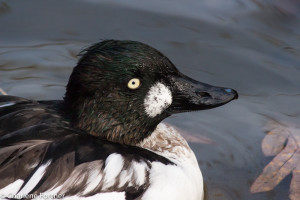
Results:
[251, 46]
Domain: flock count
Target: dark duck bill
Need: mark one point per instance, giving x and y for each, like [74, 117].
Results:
[192, 95]
[121, 90]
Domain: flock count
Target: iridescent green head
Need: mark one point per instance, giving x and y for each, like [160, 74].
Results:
[121, 90]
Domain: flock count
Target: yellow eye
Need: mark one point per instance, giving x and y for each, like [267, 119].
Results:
[134, 83]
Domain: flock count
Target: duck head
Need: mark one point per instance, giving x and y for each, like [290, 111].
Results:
[121, 90]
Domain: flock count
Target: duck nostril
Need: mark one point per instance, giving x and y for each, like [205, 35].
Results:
[203, 94]
[228, 90]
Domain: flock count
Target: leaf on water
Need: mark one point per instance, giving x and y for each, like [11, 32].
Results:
[284, 142]
[192, 137]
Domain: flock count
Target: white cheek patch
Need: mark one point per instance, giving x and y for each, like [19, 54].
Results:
[158, 98]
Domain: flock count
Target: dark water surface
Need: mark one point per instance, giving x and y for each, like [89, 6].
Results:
[251, 46]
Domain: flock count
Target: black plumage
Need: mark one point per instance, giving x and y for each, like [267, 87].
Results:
[38, 132]
[100, 116]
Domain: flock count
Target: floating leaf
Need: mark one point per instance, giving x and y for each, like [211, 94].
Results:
[192, 137]
[284, 142]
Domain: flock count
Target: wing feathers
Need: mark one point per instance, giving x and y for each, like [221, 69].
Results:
[39, 149]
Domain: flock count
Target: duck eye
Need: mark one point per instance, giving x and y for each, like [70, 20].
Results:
[134, 83]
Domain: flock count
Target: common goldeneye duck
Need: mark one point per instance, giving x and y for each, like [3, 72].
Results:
[105, 139]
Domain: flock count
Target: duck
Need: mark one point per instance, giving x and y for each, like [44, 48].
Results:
[106, 140]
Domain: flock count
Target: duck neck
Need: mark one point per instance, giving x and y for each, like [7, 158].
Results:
[167, 141]
[109, 122]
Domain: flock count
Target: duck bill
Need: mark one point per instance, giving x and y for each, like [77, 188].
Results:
[191, 95]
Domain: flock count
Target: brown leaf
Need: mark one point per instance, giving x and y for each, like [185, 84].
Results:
[274, 141]
[192, 137]
[285, 142]
[196, 138]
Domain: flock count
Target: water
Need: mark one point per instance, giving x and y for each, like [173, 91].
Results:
[251, 46]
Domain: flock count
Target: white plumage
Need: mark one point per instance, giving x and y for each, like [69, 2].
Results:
[180, 181]
[158, 98]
